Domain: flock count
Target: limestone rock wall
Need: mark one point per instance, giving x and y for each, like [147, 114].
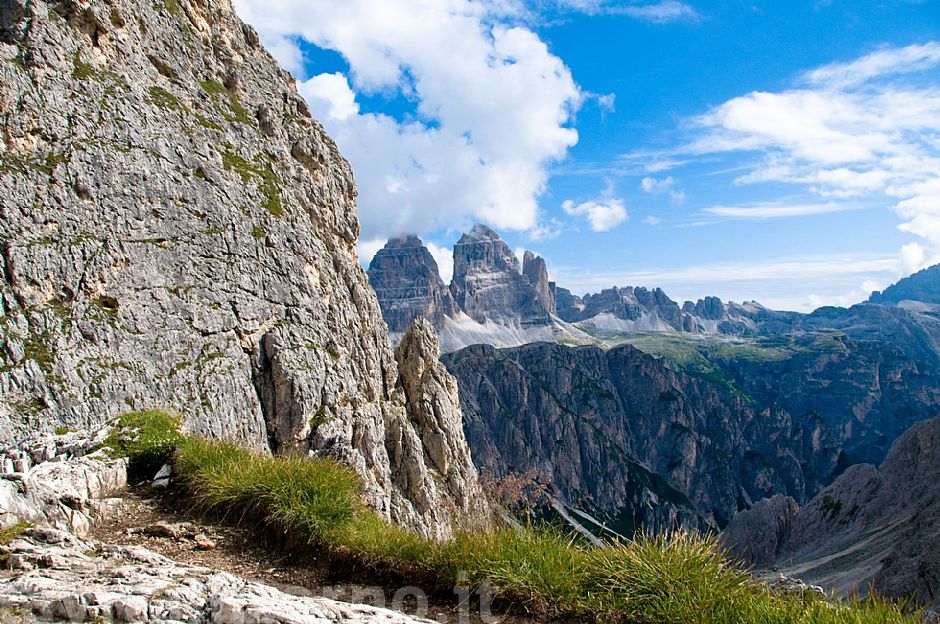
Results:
[177, 232]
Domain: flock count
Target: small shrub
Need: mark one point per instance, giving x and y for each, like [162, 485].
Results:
[147, 438]
[12, 532]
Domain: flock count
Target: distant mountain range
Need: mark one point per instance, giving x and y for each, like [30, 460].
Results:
[647, 414]
[493, 300]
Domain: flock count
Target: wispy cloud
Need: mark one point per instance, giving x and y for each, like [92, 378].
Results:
[866, 129]
[662, 12]
[777, 210]
[881, 63]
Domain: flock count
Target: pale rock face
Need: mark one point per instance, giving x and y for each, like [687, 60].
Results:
[58, 576]
[533, 267]
[433, 401]
[488, 286]
[177, 232]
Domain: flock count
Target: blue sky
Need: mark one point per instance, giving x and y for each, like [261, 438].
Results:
[787, 152]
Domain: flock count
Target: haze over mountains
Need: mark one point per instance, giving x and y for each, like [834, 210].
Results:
[637, 412]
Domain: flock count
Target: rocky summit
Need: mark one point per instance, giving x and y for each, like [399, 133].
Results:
[490, 299]
[408, 285]
[177, 232]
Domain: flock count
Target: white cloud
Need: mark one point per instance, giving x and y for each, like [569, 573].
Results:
[666, 185]
[493, 106]
[652, 220]
[777, 210]
[602, 214]
[329, 96]
[444, 256]
[662, 12]
[546, 230]
[881, 63]
[605, 101]
[857, 130]
[368, 248]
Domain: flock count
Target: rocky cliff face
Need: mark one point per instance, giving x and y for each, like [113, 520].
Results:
[622, 436]
[488, 285]
[408, 285]
[871, 527]
[724, 428]
[923, 286]
[534, 269]
[177, 232]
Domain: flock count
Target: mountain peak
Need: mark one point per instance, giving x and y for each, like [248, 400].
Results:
[922, 286]
[408, 284]
[481, 232]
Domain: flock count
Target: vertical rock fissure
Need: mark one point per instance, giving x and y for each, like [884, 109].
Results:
[264, 388]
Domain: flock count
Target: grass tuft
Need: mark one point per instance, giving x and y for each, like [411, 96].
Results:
[147, 438]
[12, 532]
[672, 578]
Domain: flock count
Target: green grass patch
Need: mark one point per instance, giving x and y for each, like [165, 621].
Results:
[673, 578]
[147, 438]
[161, 98]
[12, 532]
[259, 168]
[82, 71]
[62, 430]
[258, 232]
[235, 111]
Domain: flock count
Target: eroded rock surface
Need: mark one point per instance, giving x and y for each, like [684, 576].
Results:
[177, 232]
[58, 576]
[408, 285]
[872, 527]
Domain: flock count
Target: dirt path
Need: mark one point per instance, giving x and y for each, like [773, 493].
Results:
[158, 521]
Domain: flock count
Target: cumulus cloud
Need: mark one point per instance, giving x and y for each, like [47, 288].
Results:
[330, 96]
[666, 185]
[602, 214]
[368, 248]
[492, 106]
[862, 129]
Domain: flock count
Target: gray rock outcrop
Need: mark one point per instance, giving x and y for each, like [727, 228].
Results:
[68, 490]
[408, 285]
[534, 269]
[872, 527]
[177, 232]
[53, 571]
[58, 576]
[432, 400]
[923, 287]
[487, 283]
